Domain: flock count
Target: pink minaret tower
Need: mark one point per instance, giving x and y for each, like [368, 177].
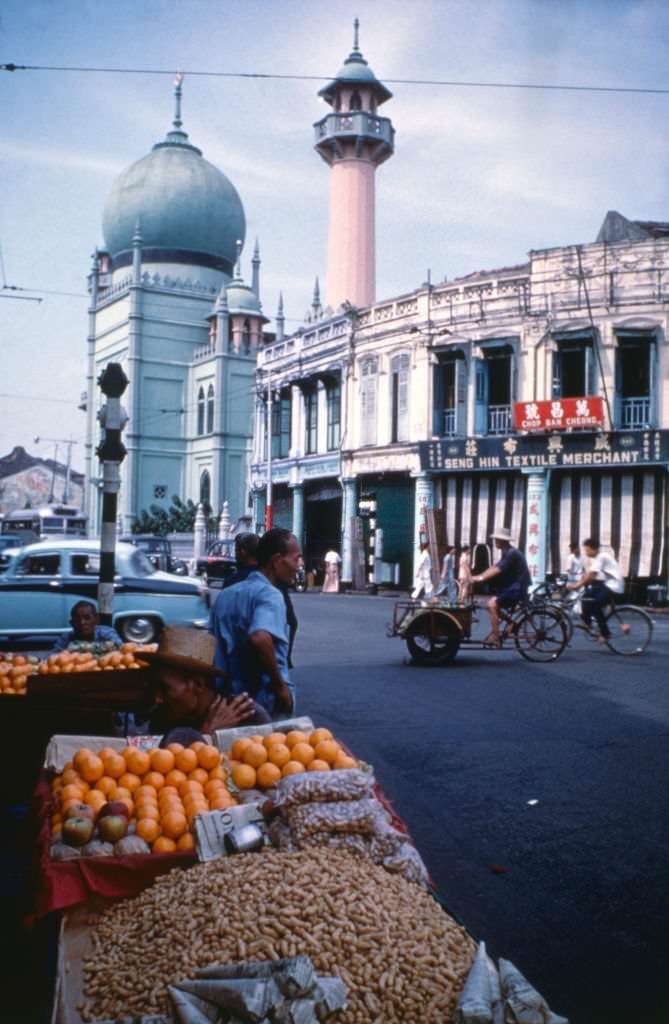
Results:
[353, 140]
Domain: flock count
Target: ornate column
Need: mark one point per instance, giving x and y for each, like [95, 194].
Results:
[258, 495]
[347, 513]
[536, 532]
[423, 499]
[298, 512]
[199, 533]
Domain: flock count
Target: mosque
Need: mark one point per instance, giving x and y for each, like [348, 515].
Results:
[169, 302]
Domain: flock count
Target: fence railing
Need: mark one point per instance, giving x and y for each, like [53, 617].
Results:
[499, 419]
[634, 413]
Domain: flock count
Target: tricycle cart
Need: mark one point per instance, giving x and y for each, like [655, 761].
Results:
[434, 631]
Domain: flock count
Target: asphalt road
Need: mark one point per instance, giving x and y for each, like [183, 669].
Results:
[574, 887]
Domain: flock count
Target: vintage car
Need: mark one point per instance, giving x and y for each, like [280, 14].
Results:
[218, 564]
[43, 581]
[159, 552]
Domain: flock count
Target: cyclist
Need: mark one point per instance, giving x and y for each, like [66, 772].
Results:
[512, 585]
[603, 579]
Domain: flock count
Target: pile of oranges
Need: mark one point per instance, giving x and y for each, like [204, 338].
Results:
[163, 789]
[14, 672]
[85, 661]
[260, 761]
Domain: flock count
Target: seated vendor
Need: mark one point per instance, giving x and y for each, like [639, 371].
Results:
[187, 706]
[85, 628]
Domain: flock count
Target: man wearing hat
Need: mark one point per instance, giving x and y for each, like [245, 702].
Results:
[512, 580]
[187, 705]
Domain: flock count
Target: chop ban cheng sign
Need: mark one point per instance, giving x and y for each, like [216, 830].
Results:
[559, 414]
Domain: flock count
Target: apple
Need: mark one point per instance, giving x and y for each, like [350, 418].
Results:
[114, 807]
[79, 811]
[77, 831]
[112, 827]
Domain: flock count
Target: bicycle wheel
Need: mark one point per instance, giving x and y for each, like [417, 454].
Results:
[631, 630]
[433, 639]
[561, 612]
[540, 634]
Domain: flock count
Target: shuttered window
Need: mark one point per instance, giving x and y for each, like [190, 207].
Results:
[399, 382]
[368, 385]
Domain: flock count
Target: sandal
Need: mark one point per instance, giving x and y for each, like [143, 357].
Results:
[491, 645]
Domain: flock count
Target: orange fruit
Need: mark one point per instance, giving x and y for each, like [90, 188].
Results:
[208, 757]
[114, 765]
[304, 753]
[154, 779]
[72, 792]
[163, 844]
[244, 776]
[105, 785]
[68, 766]
[147, 829]
[238, 748]
[128, 803]
[79, 758]
[255, 755]
[185, 842]
[199, 775]
[190, 786]
[130, 781]
[107, 752]
[173, 824]
[138, 761]
[95, 799]
[161, 760]
[56, 820]
[175, 777]
[318, 735]
[121, 793]
[196, 745]
[221, 801]
[146, 792]
[279, 754]
[186, 760]
[274, 737]
[147, 811]
[342, 760]
[318, 766]
[174, 748]
[68, 776]
[214, 786]
[167, 791]
[292, 768]
[327, 750]
[295, 736]
[218, 773]
[268, 775]
[92, 768]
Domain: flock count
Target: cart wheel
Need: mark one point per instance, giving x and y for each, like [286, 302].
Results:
[434, 639]
[540, 635]
[631, 630]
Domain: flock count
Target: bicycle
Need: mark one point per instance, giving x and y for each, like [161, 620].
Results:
[630, 627]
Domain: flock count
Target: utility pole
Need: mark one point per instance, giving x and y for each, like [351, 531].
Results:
[111, 452]
[56, 441]
[268, 498]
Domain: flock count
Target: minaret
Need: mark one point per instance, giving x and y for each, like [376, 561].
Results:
[255, 264]
[353, 140]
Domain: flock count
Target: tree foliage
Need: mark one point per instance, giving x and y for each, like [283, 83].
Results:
[178, 518]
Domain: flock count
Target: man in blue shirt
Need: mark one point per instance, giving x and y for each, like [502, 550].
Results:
[251, 629]
[85, 628]
[512, 581]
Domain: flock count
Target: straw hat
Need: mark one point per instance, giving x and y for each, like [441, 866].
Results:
[186, 648]
[503, 533]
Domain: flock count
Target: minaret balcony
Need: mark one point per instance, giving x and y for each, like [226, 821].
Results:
[367, 130]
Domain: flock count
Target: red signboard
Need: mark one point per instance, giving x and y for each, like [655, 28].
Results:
[559, 414]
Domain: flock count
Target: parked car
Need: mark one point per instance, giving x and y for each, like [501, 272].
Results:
[158, 551]
[218, 563]
[9, 545]
[43, 581]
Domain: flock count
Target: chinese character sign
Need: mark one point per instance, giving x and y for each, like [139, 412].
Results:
[559, 414]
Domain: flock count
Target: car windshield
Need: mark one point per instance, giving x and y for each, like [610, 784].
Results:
[139, 565]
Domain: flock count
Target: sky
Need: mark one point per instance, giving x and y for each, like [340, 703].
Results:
[479, 177]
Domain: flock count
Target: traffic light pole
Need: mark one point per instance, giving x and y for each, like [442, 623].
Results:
[111, 453]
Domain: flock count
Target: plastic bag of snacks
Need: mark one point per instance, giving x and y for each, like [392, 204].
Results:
[317, 787]
[335, 816]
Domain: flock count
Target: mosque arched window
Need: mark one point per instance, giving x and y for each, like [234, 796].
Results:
[246, 337]
[200, 412]
[205, 490]
[210, 409]
[356, 102]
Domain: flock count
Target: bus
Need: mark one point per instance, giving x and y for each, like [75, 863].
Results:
[33, 524]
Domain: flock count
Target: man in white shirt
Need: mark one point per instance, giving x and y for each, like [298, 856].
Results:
[423, 578]
[603, 579]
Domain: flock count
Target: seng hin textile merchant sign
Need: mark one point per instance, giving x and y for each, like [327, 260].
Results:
[546, 451]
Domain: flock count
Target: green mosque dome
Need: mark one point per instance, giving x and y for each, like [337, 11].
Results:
[186, 209]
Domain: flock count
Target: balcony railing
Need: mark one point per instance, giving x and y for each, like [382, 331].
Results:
[634, 413]
[448, 423]
[499, 419]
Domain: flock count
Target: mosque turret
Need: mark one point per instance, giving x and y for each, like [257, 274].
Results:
[255, 264]
[353, 140]
[280, 320]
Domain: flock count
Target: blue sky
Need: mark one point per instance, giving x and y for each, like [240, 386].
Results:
[479, 176]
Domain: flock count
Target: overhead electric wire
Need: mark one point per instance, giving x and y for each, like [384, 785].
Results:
[276, 76]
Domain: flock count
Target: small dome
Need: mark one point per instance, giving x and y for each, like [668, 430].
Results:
[183, 204]
[242, 299]
[355, 71]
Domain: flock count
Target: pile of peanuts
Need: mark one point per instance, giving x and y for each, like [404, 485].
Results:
[400, 956]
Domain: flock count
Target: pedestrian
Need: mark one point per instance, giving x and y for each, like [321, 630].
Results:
[512, 581]
[250, 625]
[331, 581]
[86, 628]
[575, 564]
[465, 576]
[422, 583]
[600, 583]
[447, 582]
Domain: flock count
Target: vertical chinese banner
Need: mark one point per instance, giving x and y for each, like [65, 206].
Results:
[535, 540]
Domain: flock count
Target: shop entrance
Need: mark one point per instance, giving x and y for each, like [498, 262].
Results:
[322, 526]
